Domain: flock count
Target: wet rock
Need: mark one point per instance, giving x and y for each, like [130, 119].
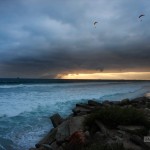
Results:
[76, 124]
[125, 102]
[48, 139]
[79, 109]
[81, 113]
[94, 103]
[77, 140]
[147, 95]
[85, 106]
[47, 146]
[139, 100]
[116, 102]
[42, 148]
[130, 128]
[76, 111]
[137, 130]
[54, 146]
[56, 120]
[106, 102]
[68, 127]
[62, 132]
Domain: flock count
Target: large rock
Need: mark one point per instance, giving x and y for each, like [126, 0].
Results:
[47, 146]
[130, 128]
[94, 103]
[63, 132]
[56, 147]
[116, 102]
[147, 95]
[85, 106]
[76, 124]
[77, 141]
[68, 127]
[56, 120]
[125, 102]
[80, 109]
[48, 139]
[139, 100]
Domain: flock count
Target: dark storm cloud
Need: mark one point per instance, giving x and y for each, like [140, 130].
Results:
[42, 38]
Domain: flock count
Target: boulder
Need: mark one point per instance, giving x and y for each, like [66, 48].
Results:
[80, 109]
[140, 130]
[54, 146]
[62, 132]
[138, 100]
[56, 120]
[130, 128]
[125, 102]
[116, 102]
[107, 102]
[81, 113]
[42, 148]
[47, 146]
[147, 95]
[85, 106]
[77, 141]
[76, 124]
[68, 127]
[94, 103]
[48, 139]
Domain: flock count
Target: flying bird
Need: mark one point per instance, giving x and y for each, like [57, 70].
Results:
[95, 23]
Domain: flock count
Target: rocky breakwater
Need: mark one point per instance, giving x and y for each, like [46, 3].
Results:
[118, 125]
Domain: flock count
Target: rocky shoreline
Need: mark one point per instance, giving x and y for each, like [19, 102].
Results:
[110, 125]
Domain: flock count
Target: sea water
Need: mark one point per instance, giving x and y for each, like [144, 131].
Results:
[25, 108]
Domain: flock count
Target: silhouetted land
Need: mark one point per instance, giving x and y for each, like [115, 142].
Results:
[41, 81]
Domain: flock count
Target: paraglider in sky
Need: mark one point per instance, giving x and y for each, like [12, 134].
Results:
[95, 23]
[141, 16]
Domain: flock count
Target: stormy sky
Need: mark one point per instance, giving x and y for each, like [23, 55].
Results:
[50, 38]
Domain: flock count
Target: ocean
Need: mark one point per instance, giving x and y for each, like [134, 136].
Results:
[25, 108]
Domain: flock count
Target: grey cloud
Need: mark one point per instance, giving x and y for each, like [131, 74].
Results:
[44, 38]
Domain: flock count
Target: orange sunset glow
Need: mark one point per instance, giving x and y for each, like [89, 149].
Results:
[124, 75]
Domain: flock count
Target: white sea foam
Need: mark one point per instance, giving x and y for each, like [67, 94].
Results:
[25, 109]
